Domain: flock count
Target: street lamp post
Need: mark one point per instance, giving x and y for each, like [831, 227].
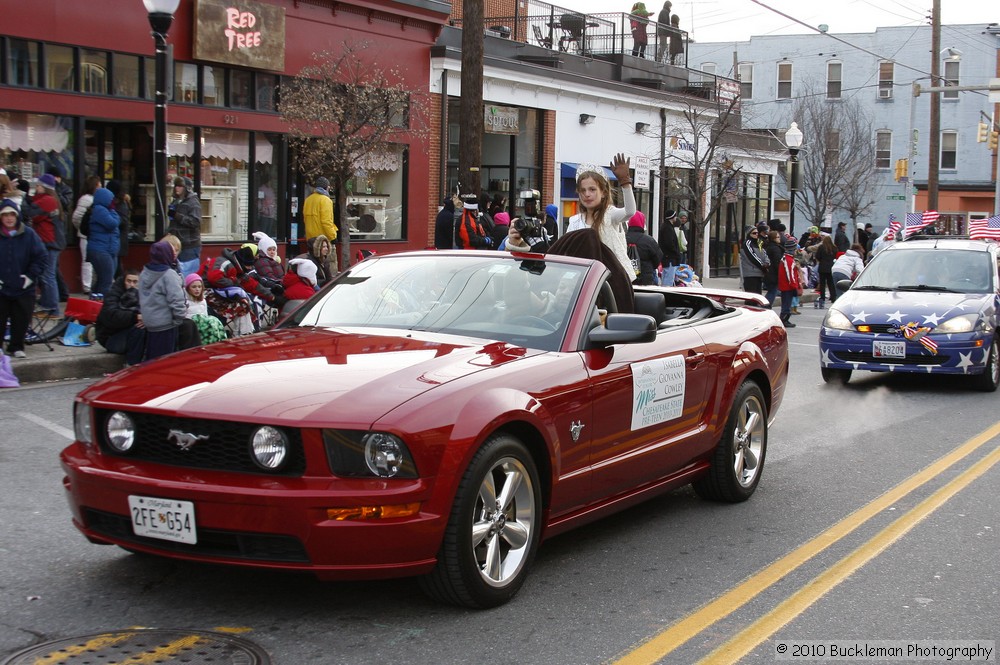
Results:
[161, 14]
[793, 139]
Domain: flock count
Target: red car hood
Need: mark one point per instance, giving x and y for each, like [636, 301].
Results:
[301, 376]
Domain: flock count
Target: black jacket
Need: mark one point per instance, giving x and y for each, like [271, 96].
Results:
[444, 226]
[119, 311]
[650, 255]
[668, 244]
[774, 253]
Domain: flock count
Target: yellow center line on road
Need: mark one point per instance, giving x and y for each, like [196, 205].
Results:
[748, 639]
[668, 640]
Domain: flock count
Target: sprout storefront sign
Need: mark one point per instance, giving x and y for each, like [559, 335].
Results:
[246, 34]
[501, 120]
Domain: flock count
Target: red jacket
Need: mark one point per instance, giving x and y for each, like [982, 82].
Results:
[43, 215]
[789, 274]
[297, 288]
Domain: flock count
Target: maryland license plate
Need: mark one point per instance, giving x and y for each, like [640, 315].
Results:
[893, 349]
[166, 519]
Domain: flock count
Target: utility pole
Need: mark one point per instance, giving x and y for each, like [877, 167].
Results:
[934, 138]
[470, 139]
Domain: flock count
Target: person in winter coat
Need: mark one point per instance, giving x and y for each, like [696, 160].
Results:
[119, 324]
[670, 247]
[185, 223]
[319, 253]
[789, 280]
[501, 228]
[268, 267]
[46, 218]
[444, 223]
[210, 327]
[774, 250]
[753, 260]
[840, 239]
[848, 266]
[317, 215]
[826, 254]
[650, 255]
[22, 263]
[102, 243]
[122, 204]
[90, 185]
[551, 221]
[300, 280]
[161, 301]
[469, 230]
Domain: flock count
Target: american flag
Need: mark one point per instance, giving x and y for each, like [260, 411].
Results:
[894, 227]
[985, 228]
[916, 221]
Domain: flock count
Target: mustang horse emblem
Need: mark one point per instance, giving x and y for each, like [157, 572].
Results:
[185, 440]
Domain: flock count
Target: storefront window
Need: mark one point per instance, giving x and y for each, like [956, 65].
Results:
[185, 83]
[240, 96]
[225, 183]
[267, 89]
[215, 85]
[22, 67]
[31, 143]
[374, 206]
[94, 72]
[266, 147]
[59, 72]
[125, 70]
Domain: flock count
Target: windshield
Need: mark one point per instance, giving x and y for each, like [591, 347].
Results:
[945, 270]
[522, 302]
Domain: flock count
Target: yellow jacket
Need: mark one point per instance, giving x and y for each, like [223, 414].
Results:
[317, 214]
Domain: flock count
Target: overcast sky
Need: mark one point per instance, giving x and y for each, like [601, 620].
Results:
[738, 20]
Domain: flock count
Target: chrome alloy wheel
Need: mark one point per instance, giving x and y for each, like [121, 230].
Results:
[748, 440]
[503, 521]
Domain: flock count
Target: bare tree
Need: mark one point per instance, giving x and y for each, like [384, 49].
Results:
[344, 110]
[701, 138]
[837, 161]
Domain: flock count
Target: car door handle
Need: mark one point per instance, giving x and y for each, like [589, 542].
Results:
[694, 359]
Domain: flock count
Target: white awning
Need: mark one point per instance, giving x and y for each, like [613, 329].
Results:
[30, 131]
[217, 143]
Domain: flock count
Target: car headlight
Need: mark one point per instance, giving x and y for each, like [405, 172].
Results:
[121, 432]
[269, 446]
[81, 423]
[959, 324]
[367, 454]
[837, 320]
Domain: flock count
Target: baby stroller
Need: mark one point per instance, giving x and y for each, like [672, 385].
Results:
[235, 295]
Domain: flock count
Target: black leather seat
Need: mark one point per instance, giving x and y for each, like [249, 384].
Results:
[651, 304]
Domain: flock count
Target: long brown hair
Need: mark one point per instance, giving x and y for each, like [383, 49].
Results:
[597, 214]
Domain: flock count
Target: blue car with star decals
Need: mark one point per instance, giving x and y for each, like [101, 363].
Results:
[926, 305]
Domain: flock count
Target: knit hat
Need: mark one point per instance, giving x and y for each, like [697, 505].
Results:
[185, 182]
[191, 279]
[47, 180]
[501, 218]
[161, 253]
[814, 229]
[7, 205]
[305, 269]
[790, 245]
[323, 183]
[638, 220]
[264, 242]
[115, 187]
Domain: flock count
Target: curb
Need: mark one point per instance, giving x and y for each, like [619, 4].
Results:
[52, 367]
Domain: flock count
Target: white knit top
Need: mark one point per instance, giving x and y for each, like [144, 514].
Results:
[612, 231]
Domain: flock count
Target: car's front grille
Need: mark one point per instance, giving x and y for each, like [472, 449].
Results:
[853, 357]
[884, 328]
[226, 448]
[211, 542]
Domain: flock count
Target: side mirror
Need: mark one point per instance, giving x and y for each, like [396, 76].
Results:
[624, 329]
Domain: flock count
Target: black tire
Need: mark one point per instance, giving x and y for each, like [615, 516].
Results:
[990, 378]
[738, 461]
[477, 531]
[837, 376]
[41, 333]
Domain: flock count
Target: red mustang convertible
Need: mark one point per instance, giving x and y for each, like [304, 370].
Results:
[430, 413]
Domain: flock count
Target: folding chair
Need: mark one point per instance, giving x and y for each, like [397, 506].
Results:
[540, 38]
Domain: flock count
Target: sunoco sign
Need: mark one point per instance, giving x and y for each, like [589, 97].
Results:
[501, 120]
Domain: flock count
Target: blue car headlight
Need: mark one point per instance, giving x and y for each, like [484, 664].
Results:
[837, 320]
[368, 454]
[959, 324]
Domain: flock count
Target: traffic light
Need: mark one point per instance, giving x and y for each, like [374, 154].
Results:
[984, 131]
[902, 169]
[993, 140]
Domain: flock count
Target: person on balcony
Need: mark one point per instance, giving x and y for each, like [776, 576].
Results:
[663, 31]
[637, 19]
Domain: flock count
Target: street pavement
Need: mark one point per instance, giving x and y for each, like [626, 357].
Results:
[62, 362]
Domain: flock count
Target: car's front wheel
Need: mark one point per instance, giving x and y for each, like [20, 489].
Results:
[837, 376]
[738, 460]
[493, 530]
[990, 378]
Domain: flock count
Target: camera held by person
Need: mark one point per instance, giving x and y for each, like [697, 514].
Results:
[529, 228]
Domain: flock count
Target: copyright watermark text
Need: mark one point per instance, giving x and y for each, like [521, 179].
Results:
[904, 650]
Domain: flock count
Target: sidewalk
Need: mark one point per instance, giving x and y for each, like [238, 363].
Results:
[81, 362]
